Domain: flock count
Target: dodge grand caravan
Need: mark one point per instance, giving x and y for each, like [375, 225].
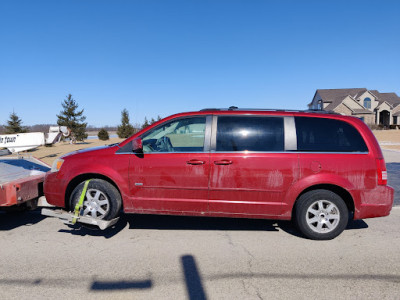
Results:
[318, 169]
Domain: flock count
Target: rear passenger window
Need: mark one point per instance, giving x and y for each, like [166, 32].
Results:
[327, 135]
[250, 133]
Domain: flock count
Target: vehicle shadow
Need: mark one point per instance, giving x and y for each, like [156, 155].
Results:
[163, 222]
[166, 222]
[12, 220]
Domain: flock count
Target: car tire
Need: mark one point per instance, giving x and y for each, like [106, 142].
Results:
[321, 215]
[102, 200]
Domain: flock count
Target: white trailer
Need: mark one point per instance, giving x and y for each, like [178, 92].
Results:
[21, 178]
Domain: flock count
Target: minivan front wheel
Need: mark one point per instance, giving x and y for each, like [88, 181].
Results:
[102, 200]
[321, 215]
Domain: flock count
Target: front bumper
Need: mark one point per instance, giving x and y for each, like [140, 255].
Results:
[54, 190]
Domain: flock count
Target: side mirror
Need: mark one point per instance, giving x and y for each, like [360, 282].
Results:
[137, 145]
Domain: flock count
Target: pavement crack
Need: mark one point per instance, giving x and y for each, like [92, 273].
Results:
[250, 263]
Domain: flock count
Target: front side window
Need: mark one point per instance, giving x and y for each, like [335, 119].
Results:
[250, 133]
[327, 135]
[182, 135]
[367, 103]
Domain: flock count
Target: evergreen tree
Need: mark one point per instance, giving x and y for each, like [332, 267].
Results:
[146, 123]
[73, 119]
[152, 121]
[103, 135]
[125, 130]
[14, 125]
[158, 118]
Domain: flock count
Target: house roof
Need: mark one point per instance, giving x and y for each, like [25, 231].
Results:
[336, 96]
[362, 111]
[390, 98]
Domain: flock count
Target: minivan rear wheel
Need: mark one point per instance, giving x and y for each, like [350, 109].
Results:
[321, 215]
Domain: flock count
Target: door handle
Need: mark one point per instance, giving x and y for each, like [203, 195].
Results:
[195, 162]
[223, 162]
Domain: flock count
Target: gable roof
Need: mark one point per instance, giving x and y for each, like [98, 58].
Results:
[390, 98]
[336, 96]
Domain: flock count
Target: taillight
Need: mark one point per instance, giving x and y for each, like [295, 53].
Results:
[382, 172]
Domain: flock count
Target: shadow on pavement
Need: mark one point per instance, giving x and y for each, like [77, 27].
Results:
[83, 230]
[9, 221]
[12, 220]
[194, 285]
[164, 222]
[120, 285]
[356, 224]
[193, 281]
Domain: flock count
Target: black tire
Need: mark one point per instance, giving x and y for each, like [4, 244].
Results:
[102, 199]
[321, 215]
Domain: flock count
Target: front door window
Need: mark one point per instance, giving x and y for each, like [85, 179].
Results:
[183, 135]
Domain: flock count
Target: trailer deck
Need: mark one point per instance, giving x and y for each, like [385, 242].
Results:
[21, 180]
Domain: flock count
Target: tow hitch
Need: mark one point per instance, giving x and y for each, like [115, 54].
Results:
[69, 217]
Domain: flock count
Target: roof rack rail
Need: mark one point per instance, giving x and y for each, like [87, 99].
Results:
[207, 109]
[271, 109]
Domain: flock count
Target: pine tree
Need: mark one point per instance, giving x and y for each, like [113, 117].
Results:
[146, 123]
[73, 119]
[158, 118]
[14, 125]
[152, 121]
[103, 135]
[125, 130]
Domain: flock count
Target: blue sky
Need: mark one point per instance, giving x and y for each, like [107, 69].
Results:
[163, 57]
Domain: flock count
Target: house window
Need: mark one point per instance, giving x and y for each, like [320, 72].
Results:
[394, 120]
[367, 103]
[320, 107]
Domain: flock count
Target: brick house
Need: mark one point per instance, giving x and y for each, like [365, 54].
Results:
[371, 106]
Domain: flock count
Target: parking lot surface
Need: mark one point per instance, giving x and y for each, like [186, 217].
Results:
[167, 257]
[392, 158]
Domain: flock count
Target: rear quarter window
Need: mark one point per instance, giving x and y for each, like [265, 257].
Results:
[327, 135]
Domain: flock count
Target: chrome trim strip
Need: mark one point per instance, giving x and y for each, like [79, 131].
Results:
[214, 133]
[207, 134]
[290, 134]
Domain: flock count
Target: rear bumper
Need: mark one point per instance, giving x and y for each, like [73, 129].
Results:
[21, 190]
[53, 190]
[375, 203]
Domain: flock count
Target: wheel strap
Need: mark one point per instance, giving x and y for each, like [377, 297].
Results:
[79, 205]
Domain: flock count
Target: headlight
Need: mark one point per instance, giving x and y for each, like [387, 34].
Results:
[57, 165]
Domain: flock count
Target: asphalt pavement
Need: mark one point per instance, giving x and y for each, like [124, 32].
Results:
[392, 159]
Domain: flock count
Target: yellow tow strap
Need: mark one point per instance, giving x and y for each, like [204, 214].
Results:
[79, 205]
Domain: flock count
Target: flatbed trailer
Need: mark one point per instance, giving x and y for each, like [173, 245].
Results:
[21, 181]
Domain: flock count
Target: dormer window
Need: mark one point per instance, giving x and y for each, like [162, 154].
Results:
[367, 103]
[319, 107]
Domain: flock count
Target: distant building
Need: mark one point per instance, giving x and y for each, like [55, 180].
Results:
[369, 105]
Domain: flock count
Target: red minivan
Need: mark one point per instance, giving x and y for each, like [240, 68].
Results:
[319, 169]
